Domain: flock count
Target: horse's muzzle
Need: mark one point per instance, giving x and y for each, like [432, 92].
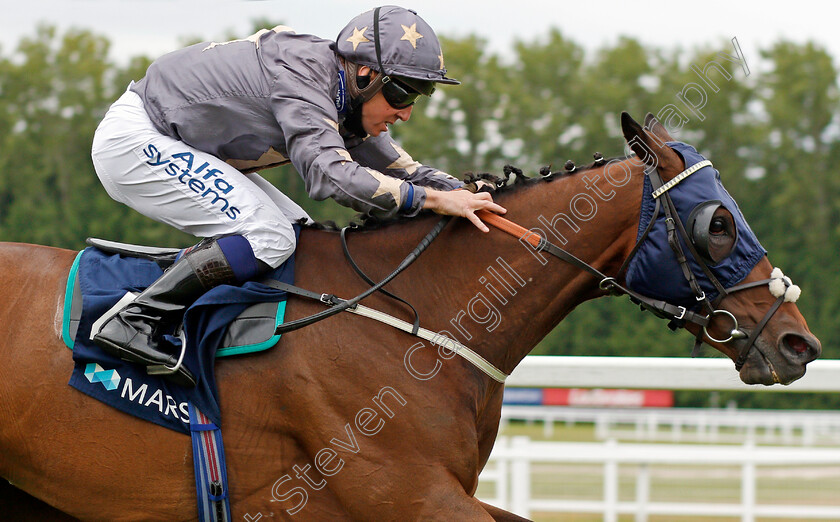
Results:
[782, 364]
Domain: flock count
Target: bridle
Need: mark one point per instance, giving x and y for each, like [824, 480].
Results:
[678, 315]
[676, 231]
[780, 287]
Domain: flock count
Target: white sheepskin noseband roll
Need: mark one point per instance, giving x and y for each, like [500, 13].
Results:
[781, 285]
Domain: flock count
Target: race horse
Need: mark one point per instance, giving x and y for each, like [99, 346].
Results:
[350, 419]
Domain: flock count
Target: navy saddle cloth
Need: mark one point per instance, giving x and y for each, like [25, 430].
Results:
[227, 320]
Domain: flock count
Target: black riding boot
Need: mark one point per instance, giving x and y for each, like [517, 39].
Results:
[134, 333]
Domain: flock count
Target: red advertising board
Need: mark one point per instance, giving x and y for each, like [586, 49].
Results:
[599, 397]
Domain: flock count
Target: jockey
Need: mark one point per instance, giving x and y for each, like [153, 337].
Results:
[182, 145]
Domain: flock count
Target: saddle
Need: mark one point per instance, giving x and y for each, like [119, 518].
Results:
[253, 330]
[225, 321]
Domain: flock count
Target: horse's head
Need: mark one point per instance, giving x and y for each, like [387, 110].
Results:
[697, 253]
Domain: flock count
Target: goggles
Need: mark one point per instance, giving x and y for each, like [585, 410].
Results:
[398, 94]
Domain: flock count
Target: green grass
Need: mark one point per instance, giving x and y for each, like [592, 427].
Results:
[562, 432]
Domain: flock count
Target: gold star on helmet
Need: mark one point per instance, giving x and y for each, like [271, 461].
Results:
[358, 37]
[411, 34]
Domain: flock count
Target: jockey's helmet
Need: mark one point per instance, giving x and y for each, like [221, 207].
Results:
[401, 46]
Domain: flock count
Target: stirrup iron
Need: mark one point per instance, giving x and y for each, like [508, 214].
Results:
[162, 369]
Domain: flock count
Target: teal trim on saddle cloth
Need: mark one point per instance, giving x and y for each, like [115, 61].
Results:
[68, 302]
[68, 333]
[257, 347]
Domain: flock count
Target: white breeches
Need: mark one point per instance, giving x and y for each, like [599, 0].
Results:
[193, 191]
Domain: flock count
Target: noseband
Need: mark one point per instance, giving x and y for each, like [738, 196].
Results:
[779, 285]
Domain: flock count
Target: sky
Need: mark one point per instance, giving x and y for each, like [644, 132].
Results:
[154, 27]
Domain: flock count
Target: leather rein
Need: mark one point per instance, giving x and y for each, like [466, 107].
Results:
[678, 315]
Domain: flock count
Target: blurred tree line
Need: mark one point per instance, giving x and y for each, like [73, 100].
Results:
[774, 134]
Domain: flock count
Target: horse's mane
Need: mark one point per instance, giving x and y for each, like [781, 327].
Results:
[502, 185]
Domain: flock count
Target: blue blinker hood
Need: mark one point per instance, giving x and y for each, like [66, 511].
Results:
[655, 272]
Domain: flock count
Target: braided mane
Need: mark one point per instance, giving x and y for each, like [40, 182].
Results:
[502, 185]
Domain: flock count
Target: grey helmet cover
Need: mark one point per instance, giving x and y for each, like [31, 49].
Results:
[409, 48]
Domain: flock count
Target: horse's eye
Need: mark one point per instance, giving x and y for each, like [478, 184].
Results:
[712, 231]
[718, 226]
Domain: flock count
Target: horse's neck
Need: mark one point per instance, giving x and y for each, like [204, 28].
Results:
[491, 292]
[498, 296]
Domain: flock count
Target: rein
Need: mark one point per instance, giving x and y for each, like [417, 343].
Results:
[678, 315]
[607, 283]
[339, 305]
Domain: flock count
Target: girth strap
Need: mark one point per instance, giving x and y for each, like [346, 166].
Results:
[210, 470]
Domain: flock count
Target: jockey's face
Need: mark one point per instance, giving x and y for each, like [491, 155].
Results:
[377, 113]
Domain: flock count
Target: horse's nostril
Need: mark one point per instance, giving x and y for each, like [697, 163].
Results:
[800, 349]
[796, 343]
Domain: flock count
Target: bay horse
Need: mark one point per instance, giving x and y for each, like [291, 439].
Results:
[349, 419]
